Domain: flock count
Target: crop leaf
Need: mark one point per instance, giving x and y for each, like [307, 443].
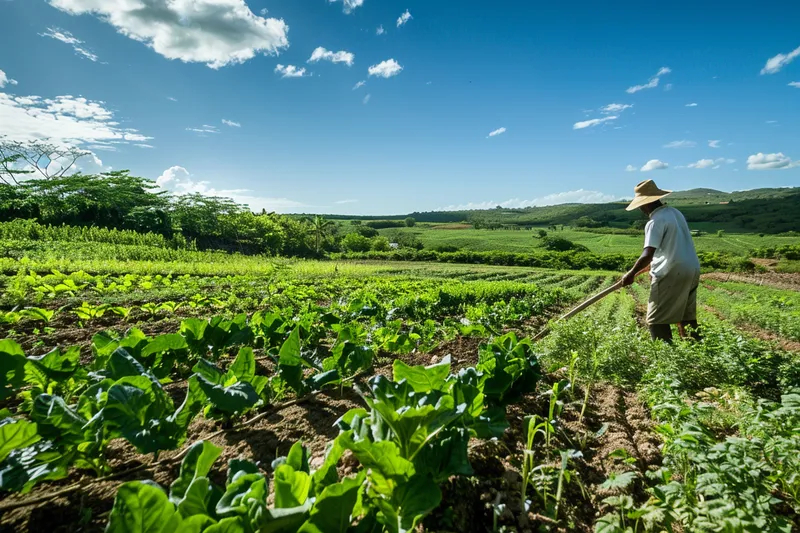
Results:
[291, 487]
[16, 434]
[12, 368]
[140, 411]
[245, 493]
[235, 524]
[55, 365]
[24, 467]
[244, 366]
[236, 398]
[423, 378]
[142, 507]
[191, 490]
[56, 420]
[333, 508]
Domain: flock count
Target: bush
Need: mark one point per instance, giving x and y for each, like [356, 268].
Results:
[380, 244]
[446, 248]
[353, 242]
[384, 224]
[410, 222]
[559, 244]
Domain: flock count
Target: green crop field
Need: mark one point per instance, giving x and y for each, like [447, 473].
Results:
[480, 240]
[275, 394]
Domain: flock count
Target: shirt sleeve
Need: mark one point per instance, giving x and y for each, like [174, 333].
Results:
[653, 234]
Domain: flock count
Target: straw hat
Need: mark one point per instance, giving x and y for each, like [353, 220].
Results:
[646, 192]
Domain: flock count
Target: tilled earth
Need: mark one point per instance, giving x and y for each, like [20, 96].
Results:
[468, 502]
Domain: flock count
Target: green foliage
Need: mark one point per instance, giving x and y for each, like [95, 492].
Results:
[303, 500]
[355, 242]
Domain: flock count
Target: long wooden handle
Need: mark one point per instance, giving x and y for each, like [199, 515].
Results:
[577, 309]
[599, 296]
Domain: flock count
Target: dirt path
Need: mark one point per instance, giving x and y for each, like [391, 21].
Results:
[777, 280]
[759, 333]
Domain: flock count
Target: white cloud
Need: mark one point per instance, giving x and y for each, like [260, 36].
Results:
[63, 120]
[495, 133]
[348, 6]
[630, 168]
[345, 202]
[581, 196]
[203, 130]
[263, 11]
[214, 32]
[172, 99]
[380, 30]
[772, 122]
[775, 64]
[712, 163]
[703, 163]
[341, 56]
[654, 164]
[366, 99]
[761, 161]
[592, 122]
[794, 84]
[691, 105]
[144, 145]
[668, 87]
[5, 80]
[67, 38]
[612, 109]
[179, 181]
[290, 71]
[231, 123]
[359, 84]
[385, 69]
[653, 83]
[681, 144]
[404, 18]
[713, 144]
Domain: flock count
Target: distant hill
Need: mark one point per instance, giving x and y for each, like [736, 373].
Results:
[775, 210]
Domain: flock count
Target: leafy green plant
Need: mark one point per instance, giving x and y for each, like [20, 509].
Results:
[304, 501]
[233, 392]
[510, 369]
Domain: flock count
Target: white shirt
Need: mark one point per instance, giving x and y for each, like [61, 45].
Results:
[668, 232]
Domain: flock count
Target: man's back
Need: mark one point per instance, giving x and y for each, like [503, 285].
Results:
[668, 232]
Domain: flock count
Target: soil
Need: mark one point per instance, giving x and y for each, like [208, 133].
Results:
[785, 344]
[777, 280]
[467, 501]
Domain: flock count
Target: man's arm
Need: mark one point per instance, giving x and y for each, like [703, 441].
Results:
[643, 262]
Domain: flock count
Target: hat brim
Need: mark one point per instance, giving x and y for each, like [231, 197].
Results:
[639, 201]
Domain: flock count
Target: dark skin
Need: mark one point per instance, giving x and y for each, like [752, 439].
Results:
[657, 331]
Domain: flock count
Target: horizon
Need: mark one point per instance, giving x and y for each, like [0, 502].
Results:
[361, 108]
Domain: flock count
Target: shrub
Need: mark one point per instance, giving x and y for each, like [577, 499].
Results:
[380, 244]
[560, 244]
[353, 242]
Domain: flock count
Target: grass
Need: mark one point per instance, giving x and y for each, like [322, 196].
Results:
[481, 240]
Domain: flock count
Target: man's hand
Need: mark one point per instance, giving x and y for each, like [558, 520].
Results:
[629, 278]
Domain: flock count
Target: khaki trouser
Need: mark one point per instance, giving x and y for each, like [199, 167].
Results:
[673, 298]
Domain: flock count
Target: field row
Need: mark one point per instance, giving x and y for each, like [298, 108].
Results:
[460, 427]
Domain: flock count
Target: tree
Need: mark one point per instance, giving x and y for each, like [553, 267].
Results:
[319, 227]
[381, 244]
[542, 233]
[40, 158]
[353, 242]
[410, 222]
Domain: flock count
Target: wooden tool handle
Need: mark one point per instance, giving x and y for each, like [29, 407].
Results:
[599, 296]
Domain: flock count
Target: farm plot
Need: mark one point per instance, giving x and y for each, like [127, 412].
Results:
[379, 397]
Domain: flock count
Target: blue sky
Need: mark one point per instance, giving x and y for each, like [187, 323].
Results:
[148, 91]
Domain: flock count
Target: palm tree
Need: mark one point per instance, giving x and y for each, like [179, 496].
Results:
[319, 226]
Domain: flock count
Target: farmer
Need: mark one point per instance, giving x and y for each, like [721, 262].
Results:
[674, 266]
